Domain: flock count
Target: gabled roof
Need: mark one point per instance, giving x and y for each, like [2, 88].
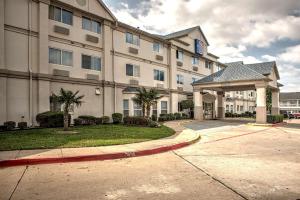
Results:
[107, 10]
[233, 72]
[289, 95]
[264, 68]
[184, 33]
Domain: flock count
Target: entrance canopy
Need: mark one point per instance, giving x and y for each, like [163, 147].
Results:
[238, 76]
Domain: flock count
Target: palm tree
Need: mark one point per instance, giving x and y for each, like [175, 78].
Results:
[146, 99]
[68, 99]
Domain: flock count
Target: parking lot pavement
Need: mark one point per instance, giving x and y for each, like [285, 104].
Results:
[257, 162]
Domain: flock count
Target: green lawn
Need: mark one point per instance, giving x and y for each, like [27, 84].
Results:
[88, 136]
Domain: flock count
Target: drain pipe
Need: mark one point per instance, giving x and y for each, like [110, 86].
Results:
[113, 67]
[29, 63]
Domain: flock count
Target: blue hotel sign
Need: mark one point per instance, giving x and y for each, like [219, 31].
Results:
[198, 47]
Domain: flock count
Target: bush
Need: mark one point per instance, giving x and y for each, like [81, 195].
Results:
[10, 125]
[117, 118]
[177, 116]
[98, 120]
[51, 119]
[153, 124]
[86, 120]
[154, 118]
[275, 118]
[105, 119]
[142, 121]
[184, 116]
[22, 125]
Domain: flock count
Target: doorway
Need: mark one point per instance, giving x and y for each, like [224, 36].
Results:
[208, 110]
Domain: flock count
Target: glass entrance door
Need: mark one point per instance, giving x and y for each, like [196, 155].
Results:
[208, 111]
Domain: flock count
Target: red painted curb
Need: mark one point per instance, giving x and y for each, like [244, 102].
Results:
[99, 157]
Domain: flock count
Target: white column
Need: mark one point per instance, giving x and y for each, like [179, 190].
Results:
[275, 102]
[174, 102]
[198, 105]
[261, 109]
[221, 109]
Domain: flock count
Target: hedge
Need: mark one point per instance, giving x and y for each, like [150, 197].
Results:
[51, 119]
[10, 125]
[140, 121]
[275, 118]
[22, 125]
[117, 118]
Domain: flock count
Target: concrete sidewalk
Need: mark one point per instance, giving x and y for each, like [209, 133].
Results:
[183, 137]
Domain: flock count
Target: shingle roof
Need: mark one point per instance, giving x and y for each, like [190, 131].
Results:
[233, 72]
[289, 95]
[183, 33]
[264, 68]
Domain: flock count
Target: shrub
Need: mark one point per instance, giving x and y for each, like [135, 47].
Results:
[177, 116]
[22, 125]
[153, 124]
[51, 119]
[105, 119]
[117, 118]
[171, 116]
[98, 120]
[162, 118]
[184, 116]
[275, 118]
[10, 125]
[142, 121]
[154, 118]
[86, 120]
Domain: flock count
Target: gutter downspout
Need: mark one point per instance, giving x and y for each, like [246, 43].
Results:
[113, 67]
[29, 64]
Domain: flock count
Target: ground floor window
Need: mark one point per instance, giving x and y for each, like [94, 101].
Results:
[126, 107]
[137, 109]
[231, 108]
[227, 108]
[154, 109]
[55, 106]
[164, 107]
[237, 108]
[242, 108]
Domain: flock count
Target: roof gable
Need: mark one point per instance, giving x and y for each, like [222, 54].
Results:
[265, 68]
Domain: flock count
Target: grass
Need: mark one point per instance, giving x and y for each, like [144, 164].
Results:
[86, 136]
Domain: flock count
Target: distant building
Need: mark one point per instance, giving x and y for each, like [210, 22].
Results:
[289, 102]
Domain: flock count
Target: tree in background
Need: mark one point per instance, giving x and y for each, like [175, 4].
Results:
[269, 99]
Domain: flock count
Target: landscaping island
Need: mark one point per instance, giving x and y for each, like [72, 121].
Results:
[82, 136]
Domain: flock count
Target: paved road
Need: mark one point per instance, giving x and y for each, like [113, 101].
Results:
[232, 161]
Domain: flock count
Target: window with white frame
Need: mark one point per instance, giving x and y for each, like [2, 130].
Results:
[91, 25]
[163, 107]
[227, 108]
[126, 107]
[179, 54]
[90, 62]
[195, 61]
[132, 39]
[137, 109]
[60, 57]
[159, 75]
[237, 108]
[242, 108]
[157, 47]
[180, 79]
[60, 15]
[132, 70]
[231, 108]
[154, 109]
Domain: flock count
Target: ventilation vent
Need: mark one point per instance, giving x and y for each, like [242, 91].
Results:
[179, 63]
[133, 50]
[195, 68]
[58, 72]
[134, 82]
[160, 58]
[91, 38]
[61, 30]
[92, 77]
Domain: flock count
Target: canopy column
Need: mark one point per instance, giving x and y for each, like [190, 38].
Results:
[261, 109]
[275, 102]
[198, 105]
[221, 109]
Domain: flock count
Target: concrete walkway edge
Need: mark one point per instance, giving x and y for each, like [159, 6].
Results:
[104, 156]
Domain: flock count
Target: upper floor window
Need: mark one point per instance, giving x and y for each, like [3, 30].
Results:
[60, 15]
[91, 25]
[132, 70]
[195, 61]
[208, 64]
[60, 57]
[157, 47]
[179, 54]
[159, 75]
[194, 79]
[90, 62]
[180, 79]
[132, 39]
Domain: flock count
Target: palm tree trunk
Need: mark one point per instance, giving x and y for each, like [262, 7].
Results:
[148, 110]
[66, 120]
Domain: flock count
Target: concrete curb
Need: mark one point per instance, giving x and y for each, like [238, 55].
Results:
[97, 157]
[268, 125]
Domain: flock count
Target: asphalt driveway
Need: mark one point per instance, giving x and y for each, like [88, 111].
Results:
[231, 161]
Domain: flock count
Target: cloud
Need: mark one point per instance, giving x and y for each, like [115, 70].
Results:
[291, 55]
[269, 58]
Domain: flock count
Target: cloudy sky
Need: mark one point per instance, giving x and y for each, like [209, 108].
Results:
[248, 30]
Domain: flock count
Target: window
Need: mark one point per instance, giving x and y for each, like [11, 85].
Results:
[227, 108]
[91, 25]
[159, 75]
[219, 68]
[132, 70]
[55, 105]
[179, 79]
[164, 107]
[60, 57]
[90, 62]
[126, 107]
[179, 54]
[137, 109]
[208, 64]
[195, 61]
[132, 39]
[60, 15]
[194, 80]
[154, 109]
[237, 108]
[157, 47]
[242, 108]
[231, 108]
